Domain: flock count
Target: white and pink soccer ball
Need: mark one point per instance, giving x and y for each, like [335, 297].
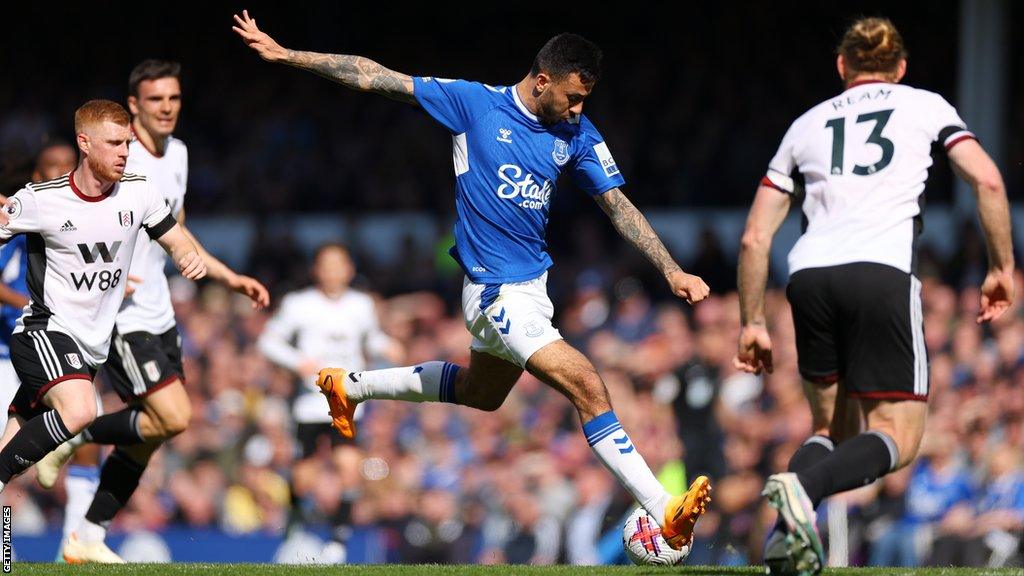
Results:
[641, 537]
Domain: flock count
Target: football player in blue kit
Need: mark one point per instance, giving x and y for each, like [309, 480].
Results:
[509, 145]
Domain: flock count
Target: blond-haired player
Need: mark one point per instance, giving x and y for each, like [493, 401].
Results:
[860, 161]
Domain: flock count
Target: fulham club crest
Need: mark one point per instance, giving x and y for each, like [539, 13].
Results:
[73, 360]
[126, 218]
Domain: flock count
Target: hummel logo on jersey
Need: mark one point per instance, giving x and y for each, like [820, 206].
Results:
[99, 250]
[505, 135]
[68, 227]
[535, 195]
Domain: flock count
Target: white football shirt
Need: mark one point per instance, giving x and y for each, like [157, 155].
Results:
[149, 308]
[79, 253]
[863, 158]
[337, 332]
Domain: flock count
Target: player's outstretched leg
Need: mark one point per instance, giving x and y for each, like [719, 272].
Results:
[427, 382]
[567, 370]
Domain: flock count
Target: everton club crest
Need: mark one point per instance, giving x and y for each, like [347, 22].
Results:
[561, 152]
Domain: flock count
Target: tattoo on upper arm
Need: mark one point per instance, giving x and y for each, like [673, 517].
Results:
[635, 228]
[356, 72]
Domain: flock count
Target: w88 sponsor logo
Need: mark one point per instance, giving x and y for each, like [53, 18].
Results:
[534, 196]
[104, 279]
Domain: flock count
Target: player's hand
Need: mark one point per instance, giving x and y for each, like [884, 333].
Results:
[258, 40]
[687, 286]
[996, 294]
[192, 266]
[754, 353]
[252, 288]
[129, 286]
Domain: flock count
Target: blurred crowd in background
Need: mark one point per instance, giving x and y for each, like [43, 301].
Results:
[448, 484]
[693, 119]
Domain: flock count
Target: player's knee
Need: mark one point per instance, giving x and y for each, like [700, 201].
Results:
[908, 442]
[77, 416]
[176, 422]
[173, 420]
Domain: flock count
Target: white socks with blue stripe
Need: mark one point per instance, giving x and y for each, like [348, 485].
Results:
[615, 450]
[427, 382]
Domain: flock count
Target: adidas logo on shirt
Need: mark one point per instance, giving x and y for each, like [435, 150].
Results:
[68, 227]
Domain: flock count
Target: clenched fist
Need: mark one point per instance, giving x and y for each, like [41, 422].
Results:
[688, 287]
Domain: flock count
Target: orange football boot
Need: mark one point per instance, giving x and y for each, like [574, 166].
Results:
[332, 384]
[682, 513]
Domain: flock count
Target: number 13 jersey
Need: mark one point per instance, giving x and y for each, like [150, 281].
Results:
[861, 160]
[79, 252]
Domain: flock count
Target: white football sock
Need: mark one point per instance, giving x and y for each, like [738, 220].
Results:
[615, 450]
[427, 382]
[80, 484]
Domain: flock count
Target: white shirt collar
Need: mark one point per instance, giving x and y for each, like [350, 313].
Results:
[522, 107]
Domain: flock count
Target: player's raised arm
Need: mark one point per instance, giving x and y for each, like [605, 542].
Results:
[634, 227]
[976, 167]
[354, 72]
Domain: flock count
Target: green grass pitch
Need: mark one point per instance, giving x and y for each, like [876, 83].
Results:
[435, 570]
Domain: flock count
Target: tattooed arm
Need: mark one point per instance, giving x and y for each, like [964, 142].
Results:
[632, 226]
[354, 72]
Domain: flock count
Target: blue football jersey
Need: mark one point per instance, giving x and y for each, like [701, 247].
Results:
[506, 165]
[13, 270]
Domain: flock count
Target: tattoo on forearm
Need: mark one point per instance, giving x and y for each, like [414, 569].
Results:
[635, 228]
[355, 72]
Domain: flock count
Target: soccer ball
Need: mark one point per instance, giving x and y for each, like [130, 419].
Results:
[641, 537]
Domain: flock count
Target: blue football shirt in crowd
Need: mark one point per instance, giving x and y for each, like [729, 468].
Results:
[13, 270]
[1005, 493]
[931, 493]
[506, 165]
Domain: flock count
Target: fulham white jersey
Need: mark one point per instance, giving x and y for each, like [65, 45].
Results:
[862, 159]
[149, 308]
[332, 331]
[79, 252]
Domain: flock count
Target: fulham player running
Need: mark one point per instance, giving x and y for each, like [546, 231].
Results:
[145, 367]
[81, 231]
[55, 159]
[859, 160]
